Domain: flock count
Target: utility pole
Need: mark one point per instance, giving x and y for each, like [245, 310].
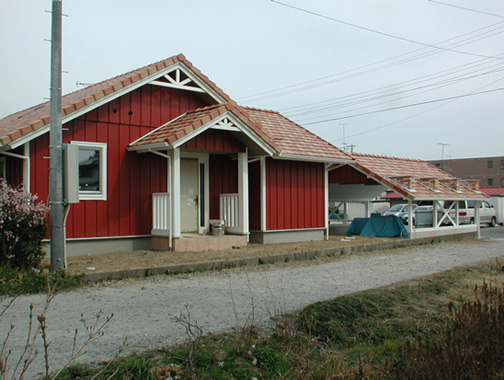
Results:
[56, 144]
[344, 142]
[351, 146]
[442, 153]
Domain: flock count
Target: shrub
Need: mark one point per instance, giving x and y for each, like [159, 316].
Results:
[23, 225]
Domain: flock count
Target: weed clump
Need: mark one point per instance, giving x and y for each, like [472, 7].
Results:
[472, 346]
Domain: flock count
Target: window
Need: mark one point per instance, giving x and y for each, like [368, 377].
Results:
[502, 182]
[490, 181]
[91, 170]
[502, 164]
[490, 164]
[438, 165]
[2, 168]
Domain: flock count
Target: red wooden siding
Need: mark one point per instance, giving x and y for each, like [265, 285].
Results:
[347, 175]
[131, 177]
[255, 196]
[215, 141]
[295, 195]
[223, 172]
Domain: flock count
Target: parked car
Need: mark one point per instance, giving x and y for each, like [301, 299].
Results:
[466, 212]
[419, 209]
[399, 210]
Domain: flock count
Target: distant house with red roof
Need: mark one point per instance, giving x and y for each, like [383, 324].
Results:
[159, 155]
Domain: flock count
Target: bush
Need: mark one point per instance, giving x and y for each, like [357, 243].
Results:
[23, 225]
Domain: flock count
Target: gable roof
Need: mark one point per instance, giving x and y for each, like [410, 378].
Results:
[31, 122]
[283, 137]
[416, 179]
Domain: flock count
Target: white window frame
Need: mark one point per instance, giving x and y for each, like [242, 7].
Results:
[100, 195]
[3, 164]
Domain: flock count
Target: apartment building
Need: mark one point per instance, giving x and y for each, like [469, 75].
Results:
[489, 170]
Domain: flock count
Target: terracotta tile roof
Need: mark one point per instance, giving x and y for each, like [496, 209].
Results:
[24, 122]
[292, 139]
[192, 120]
[493, 190]
[285, 136]
[416, 179]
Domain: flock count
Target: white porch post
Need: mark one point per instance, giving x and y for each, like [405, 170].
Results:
[326, 200]
[410, 218]
[263, 193]
[477, 205]
[175, 192]
[26, 168]
[243, 210]
[366, 209]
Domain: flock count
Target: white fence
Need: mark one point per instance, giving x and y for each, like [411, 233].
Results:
[160, 214]
[229, 211]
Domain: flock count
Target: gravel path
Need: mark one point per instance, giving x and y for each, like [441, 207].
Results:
[144, 310]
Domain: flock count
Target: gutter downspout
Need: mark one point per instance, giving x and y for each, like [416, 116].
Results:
[169, 184]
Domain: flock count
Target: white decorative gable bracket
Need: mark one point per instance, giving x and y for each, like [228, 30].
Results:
[226, 125]
[177, 79]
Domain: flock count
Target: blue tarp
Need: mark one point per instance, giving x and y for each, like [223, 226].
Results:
[382, 226]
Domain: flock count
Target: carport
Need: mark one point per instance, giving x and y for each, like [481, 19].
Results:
[415, 181]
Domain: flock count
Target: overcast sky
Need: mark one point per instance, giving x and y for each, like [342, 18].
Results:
[374, 72]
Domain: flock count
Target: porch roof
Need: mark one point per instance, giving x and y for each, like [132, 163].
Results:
[416, 179]
[35, 120]
[285, 138]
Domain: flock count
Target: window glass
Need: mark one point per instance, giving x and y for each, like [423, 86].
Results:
[502, 164]
[502, 182]
[490, 164]
[470, 204]
[89, 169]
[490, 181]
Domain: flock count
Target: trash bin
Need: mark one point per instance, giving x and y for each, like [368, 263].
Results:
[218, 229]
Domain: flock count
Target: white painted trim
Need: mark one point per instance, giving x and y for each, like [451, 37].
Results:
[26, 168]
[177, 86]
[117, 94]
[296, 157]
[262, 171]
[237, 122]
[243, 193]
[100, 195]
[326, 199]
[175, 199]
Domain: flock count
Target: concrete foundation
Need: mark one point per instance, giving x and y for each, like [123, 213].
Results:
[287, 236]
[80, 247]
[198, 243]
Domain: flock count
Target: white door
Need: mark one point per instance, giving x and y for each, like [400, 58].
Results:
[189, 195]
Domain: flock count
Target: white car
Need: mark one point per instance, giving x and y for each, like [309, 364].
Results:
[466, 212]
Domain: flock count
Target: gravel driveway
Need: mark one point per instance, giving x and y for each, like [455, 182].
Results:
[144, 310]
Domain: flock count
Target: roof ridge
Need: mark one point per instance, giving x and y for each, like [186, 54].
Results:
[387, 157]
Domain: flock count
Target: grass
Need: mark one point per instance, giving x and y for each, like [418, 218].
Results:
[14, 281]
[380, 333]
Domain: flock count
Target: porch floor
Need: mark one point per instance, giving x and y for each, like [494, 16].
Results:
[198, 243]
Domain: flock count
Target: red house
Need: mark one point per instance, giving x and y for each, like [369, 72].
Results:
[155, 155]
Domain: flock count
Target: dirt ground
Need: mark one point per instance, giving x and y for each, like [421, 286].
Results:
[150, 259]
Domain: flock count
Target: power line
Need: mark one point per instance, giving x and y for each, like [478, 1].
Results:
[408, 105]
[417, 114]
[313, 83]
[466, 9]
[379, 32]
[374, 94]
